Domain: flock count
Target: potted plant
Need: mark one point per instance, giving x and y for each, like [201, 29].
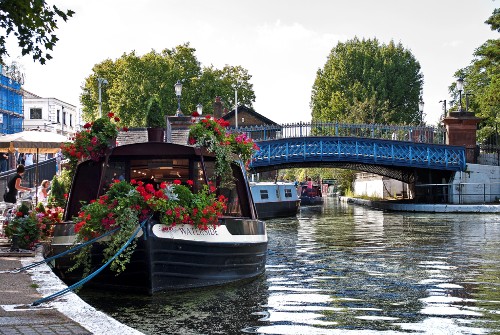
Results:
[28, 227]
[155, 122]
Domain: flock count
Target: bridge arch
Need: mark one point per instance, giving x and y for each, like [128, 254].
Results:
[395, 159]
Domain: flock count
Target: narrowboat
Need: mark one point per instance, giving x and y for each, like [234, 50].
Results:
[181, 257]
[310, 196]
[278, 199]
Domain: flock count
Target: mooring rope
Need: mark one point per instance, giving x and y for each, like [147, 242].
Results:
[46, 260]
[95, 273]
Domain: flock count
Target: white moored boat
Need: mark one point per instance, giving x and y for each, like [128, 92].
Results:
[278, 199]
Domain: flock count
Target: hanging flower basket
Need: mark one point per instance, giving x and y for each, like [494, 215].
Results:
[93, 142]
[212, 134]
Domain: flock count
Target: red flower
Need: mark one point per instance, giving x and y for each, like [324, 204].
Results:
[195, 114]
[177, 182]
[150, 188]
[190, 182]
[117, 119]
[87, 125]
[79, 226]
[125, 129]
[111, 114]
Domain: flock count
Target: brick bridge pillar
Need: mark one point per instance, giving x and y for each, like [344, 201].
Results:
[461, 130]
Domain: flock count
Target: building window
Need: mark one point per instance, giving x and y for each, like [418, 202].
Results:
[71, 120]
[58, 116]
[35, 113]
[64, 118]
[263, 194]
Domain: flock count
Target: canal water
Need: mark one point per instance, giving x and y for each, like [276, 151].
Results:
[345, 269]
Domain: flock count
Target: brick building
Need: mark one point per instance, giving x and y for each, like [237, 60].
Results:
[248, 118]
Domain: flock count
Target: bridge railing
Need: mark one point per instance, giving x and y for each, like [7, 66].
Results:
[420, 134]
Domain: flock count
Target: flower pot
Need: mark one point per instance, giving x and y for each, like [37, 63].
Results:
[156, 134]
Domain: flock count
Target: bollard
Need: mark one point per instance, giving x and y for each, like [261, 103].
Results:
[15, 243]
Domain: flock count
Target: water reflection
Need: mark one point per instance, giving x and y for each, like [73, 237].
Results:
[341, 269]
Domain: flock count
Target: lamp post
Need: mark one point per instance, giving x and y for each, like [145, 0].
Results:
[236, 103]
[444, 107]
[100, 82]
[178, 92]
[421, 110]
[199, 109]
[460, 87]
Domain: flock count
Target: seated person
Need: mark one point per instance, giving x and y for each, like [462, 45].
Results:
[43, 191]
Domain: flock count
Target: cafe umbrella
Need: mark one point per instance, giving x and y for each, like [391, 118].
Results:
[38, 142]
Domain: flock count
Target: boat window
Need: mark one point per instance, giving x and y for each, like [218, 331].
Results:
[199, 177]
[264, 194]
[156, 171]
[230, 191]
[277, 193]
[288, 193]
[114, 171]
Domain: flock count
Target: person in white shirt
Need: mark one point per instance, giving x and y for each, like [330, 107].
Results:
[28, 159]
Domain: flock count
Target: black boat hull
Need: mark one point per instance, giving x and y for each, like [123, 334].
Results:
[267, 210]
[180, 258]
[311, 201]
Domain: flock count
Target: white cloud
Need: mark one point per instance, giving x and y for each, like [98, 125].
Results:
[453, 44]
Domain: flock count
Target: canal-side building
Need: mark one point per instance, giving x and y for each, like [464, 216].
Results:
[377, 186]
[11, 104]
[50, 114]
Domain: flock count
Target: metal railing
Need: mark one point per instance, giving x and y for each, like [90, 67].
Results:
[420, 134]
[461, 193]
[489, 154]
[46, 170]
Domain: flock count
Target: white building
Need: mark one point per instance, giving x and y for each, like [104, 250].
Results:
[374, 185]
[50, 114]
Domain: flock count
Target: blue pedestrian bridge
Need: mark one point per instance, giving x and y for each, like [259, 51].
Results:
[398, 159]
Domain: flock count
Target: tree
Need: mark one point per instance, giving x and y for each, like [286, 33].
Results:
[33, 23]
[482, 84]
[133, 80]
[365, 82]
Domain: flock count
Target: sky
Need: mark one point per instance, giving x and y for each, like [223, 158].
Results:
[282, 43]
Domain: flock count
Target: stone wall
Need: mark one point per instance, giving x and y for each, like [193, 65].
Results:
[478, 184]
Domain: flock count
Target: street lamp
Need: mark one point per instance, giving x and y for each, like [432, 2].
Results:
[421, 110]
[178, 92]
[236, 103]
[199, 108]
[444, 107]
[100, 82]
[460, 87]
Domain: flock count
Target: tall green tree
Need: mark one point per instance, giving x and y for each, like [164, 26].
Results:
[134, 80]
[33, 22]
[482, 84]
[364, 81]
